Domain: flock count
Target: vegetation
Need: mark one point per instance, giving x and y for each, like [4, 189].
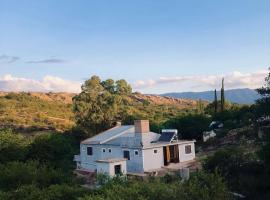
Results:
[26, 112]
[40, 166]
[200, 186]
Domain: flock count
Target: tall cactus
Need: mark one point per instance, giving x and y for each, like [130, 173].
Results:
[222, 96]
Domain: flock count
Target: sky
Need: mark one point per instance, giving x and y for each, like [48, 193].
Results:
[158, 46]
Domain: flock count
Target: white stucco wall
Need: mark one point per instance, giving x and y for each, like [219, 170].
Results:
[108, 168]
[151, 160]
[186, 157]
[135, 164]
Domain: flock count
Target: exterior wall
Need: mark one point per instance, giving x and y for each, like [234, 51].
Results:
[103, 168]
[151, 160]
[135, 164]
[108, 168]
[186, 157]
[123, 167]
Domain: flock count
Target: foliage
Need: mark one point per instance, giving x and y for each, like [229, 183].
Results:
[264, 102]
[100, 104]
[15, 174]
[201, 186]
[53, 149]
[243, 173]
[222, 107]
[189, 126]
[12, 146]
[23, 111]
[53, 192]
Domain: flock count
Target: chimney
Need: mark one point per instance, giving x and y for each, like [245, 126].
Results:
[141, 126]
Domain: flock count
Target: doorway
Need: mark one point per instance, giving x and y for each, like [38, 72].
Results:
[117, 169]
[171, 154]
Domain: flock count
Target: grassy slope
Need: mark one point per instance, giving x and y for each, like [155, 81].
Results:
[36, 111]
[26, 111]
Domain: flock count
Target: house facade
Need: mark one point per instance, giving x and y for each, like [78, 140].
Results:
[133, 149]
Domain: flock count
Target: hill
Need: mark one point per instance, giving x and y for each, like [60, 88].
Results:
[34, 111]
[241, 96]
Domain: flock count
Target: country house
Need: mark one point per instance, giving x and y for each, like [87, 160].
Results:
[133, 149]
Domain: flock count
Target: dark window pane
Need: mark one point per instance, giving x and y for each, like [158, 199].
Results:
[126, 155]
[89, 151]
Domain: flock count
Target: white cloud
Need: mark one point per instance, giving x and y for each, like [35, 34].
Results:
[204, 82]
[163, 84]
[47, 84]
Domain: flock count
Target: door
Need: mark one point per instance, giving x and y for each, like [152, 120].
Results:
[174, 151]
[117, 169]
[167, 156]
[171, 154]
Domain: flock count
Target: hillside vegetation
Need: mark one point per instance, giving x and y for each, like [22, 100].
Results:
[53, 111]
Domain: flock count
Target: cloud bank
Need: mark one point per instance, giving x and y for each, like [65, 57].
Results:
[9, 83]
[176, 83]
[205, 82]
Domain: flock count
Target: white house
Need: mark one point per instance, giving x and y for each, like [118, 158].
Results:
[132, 149]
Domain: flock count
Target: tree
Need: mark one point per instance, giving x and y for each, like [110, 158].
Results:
[216, 101]
[13, 147]
[57, 150]
[264, 102]
[100, 104]
[189, 126]
[123, 88]
[222, 96]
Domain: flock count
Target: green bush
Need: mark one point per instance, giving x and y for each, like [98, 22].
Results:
[15, 174]
[12, 146]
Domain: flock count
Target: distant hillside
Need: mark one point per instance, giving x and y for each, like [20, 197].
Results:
[241, 96]
[33, 111]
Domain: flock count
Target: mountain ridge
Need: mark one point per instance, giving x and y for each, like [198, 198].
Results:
[241, 96]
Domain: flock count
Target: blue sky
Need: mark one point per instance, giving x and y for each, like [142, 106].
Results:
[157, 45]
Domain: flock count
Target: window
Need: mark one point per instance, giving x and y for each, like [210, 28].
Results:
[110, 150]
[136, 152]
[89, 151]
[155, 151]
[188, 149]
[103, 150]
[126, 154]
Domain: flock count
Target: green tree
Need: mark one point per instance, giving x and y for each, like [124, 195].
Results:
[264, 101]
[57, 150]
[189, 126]
[100, 104]
[216, 102]
[222, 96]
[12, 146]
[122, 87]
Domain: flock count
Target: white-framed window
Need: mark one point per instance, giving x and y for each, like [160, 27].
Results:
[110, 150]
[188, 149]
[136, 152]
[155, 151]
[103, 150]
